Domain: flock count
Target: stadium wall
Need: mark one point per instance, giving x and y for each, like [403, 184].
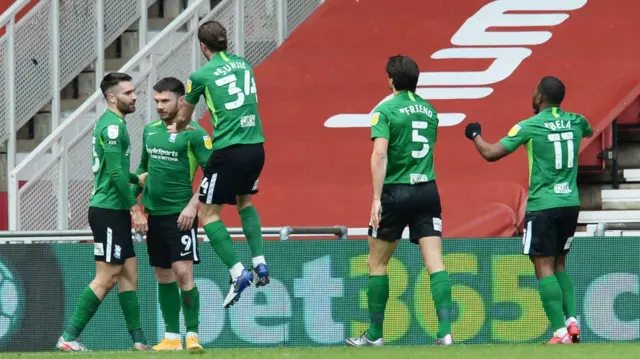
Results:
[317, 297]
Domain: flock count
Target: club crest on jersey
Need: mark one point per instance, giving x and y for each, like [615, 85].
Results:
[188, 86]
[172, 137]
[207, 142]
[112, 131]
[374, 120]
[514, 130]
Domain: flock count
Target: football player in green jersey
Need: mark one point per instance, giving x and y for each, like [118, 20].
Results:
[111, 209]
[552, 139]
[228, 86]
[171, 160]
[404, 132]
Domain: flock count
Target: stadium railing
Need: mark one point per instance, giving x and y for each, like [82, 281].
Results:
[283, 233]
[49, 46]
[59, 181]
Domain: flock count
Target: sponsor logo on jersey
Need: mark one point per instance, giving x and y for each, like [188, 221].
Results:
[113, 131]
[514, 130]
[248, 121]
[189, 86]
[507, 49]
[162, 154]
[207, 142]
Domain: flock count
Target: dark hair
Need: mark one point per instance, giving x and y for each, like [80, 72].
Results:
[404, 72]
[552, 90]
[213, 35]
[113, 79]
[170, 84]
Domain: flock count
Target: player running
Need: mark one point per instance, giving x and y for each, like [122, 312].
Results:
[111, 209]
[228, 85]
[404, 131]
[171, 160]
[552, 138]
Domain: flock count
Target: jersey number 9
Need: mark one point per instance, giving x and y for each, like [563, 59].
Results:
[416, 137]
[231, 80]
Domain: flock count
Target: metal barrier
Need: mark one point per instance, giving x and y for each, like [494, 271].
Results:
[284, 233]
[57, 195]
[601, 228]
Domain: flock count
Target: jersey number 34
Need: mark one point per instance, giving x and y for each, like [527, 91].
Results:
[234, 90]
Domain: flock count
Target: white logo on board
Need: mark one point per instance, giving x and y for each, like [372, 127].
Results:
[473, 41]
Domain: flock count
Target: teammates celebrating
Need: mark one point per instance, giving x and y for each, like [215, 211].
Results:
[404, 132]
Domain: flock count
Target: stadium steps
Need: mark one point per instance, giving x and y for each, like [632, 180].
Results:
[73, 94]
[160, 14]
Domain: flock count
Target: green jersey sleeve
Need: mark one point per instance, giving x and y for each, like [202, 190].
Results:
[144, 164]
[195, 88]
[201, 145]
[379, 125]
[517, 136]
[587, 130]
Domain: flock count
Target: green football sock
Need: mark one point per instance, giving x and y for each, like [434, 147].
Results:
[252, 230]
[87, 306]
[568, 294]
[222, 243]
[169, 299]
[377, 295]
[551, 296]
[441, 293]
[191, 309]
[131, 310]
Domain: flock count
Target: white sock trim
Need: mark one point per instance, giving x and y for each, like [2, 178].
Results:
[561, 332]
[571, 320]
[171, 336]
[192, 334]
[236, 270]
[258, 260]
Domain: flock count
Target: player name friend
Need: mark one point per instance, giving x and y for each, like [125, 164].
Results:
[416, 109]
[223, 70]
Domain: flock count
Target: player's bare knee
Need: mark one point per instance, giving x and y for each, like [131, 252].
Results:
[560, 264]
[243, 202]
[208, 213]
[183, 271]
[544, 266]
[164, 275]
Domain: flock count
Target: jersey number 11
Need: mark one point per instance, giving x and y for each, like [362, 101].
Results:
[558, 139]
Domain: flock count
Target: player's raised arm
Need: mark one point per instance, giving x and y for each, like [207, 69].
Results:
[587, 130]
[187, 104]
[492, 151]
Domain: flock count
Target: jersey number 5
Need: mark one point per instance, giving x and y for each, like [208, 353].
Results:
[231, 80]
[557, 139]
[418, 138]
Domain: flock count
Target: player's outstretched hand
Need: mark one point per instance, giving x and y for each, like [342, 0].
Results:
[142, 179]
[172, 128]
[472, 130]
[139, 220]
[376, 213]
[185, 220]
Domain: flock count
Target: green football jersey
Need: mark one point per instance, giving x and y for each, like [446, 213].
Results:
[171, 161]
[110, 134]
[552, 139]
[411, 126]
[229, 88]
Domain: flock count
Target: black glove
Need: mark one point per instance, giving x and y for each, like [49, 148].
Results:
[473, 129]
